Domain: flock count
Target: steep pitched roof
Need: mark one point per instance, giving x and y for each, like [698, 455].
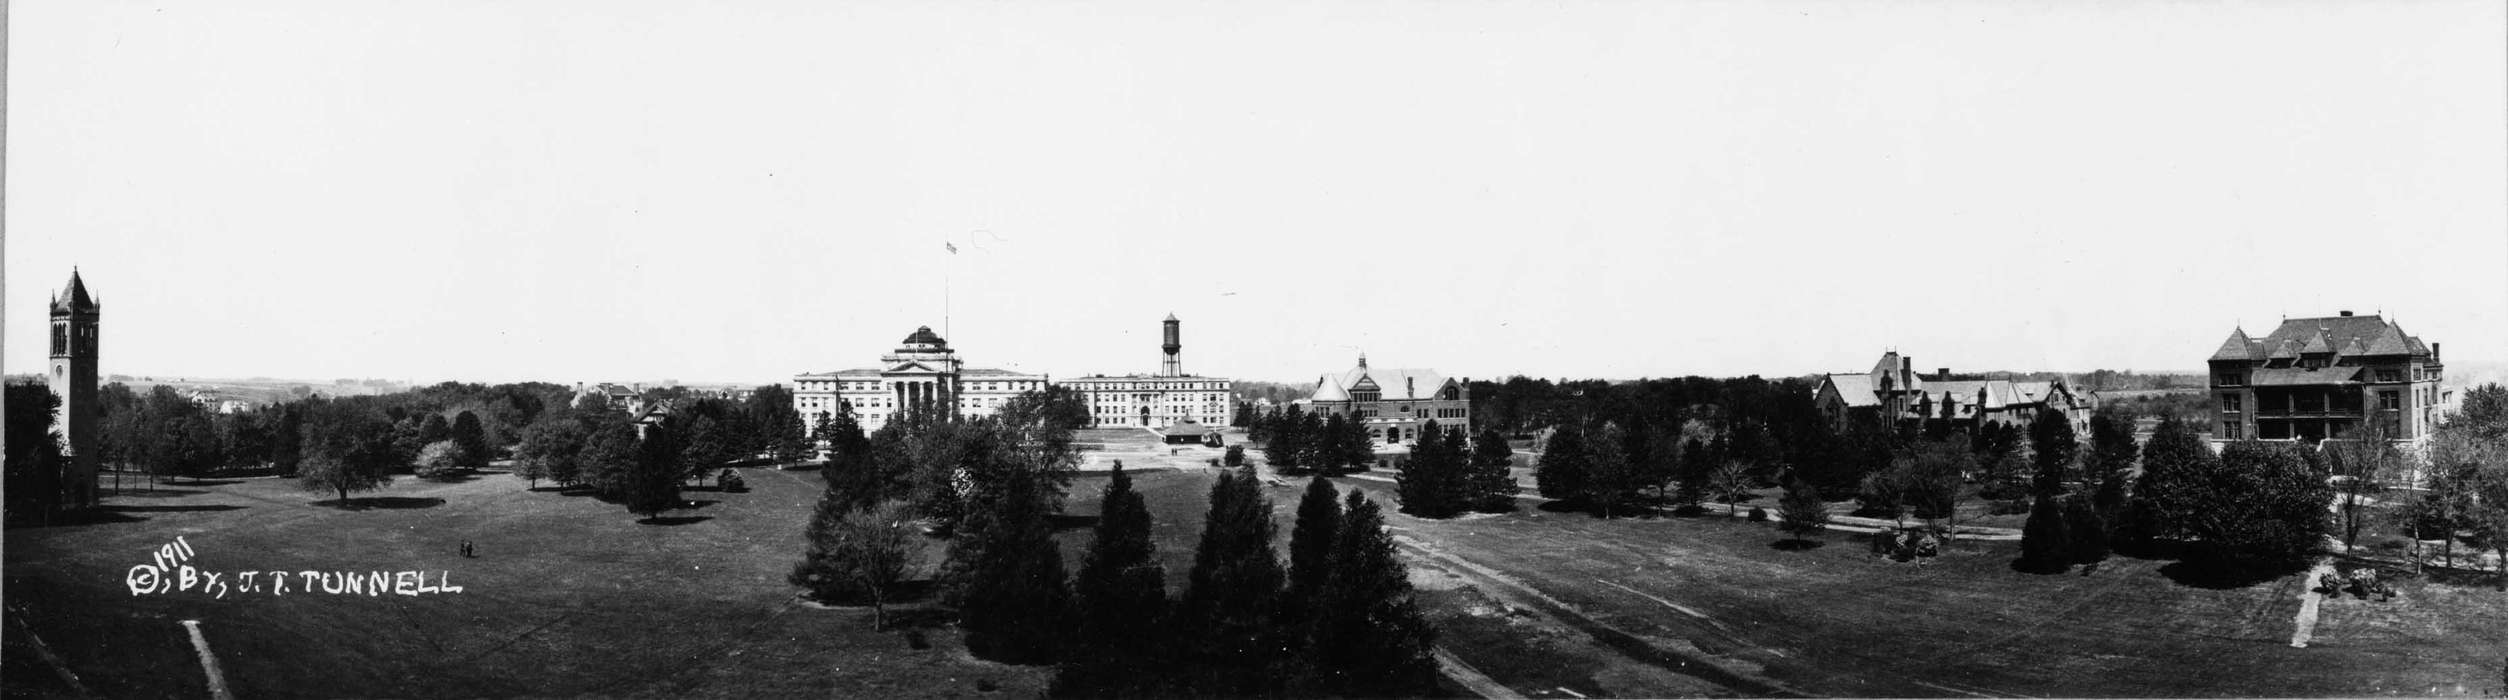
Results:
[2287, 349]
[2316, 343]
[1328, 388]
[1855, 389]
[74, 296]
[2237, 347]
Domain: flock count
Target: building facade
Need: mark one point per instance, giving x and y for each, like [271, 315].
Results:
[73, 379]
[1892, 393]
[1161, 400]
[923, 373]
[2334, 377]
[1394, 404]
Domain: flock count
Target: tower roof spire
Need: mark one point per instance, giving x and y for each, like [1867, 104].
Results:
[74, 296]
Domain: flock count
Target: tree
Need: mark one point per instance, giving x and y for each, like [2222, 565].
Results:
[438, 460]
[472, 439]
[1014, 604]
[1330, 453]
[608, 455]
[1612, 477]
[1356, 451]
[653, 479]
[1368, 637]
[1694, 472]
[1232, 594]
[435, 429]
[347, 449]
[2085, 529]
[1491, 478]
[287, 439]
[1234, 457]
[2045, 540]
[1565, 464]
[1282, 443]
[1431, 483]
[1311, 539]
[708, 446]
[857, 555]
[2052, 442]
[1804, 513]
[33, 481]
[2173, 489]
[2262, 505]
[1731, 484]
[1122, 593]
[551, 449]
[2359, 466]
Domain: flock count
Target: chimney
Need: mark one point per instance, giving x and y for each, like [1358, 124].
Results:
[2346, 312]
[1410, 387]
[1906, 372]
[2434, 350]
[1942, 374]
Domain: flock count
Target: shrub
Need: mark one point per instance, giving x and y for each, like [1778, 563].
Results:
[1758, 514]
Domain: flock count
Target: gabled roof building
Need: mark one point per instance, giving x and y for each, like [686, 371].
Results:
[1893, 393]
[1394, 404]
[2335, 377]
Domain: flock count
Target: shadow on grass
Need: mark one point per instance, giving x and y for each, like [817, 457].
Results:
[675, 520]
[2219, 575]
[2463, 577]
[159, 493]
[97, 516]
[552, 488]
[209, 482]
[382, 503]
[1061, 521]
[453, 478]
[693, 505]
[1562, 506]
[172, 509]
[1795, 545]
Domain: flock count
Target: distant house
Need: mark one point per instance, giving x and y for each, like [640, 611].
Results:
[1892, 393]
[629, 398]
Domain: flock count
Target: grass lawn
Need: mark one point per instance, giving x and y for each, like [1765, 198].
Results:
[569, 596]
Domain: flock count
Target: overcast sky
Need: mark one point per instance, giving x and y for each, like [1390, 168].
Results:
[587, 191]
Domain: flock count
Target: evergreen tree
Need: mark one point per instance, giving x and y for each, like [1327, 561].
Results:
[1122, 598]
[707, 447]
[2086, 529]
[1281, 443]
[2170, 496]
[1014, 604]
[1430, 485]
[1232, 595]
[1311, 541]
[1357, 451]
[287, 439]
[472, 438]
[1492, 479]
[2046, 540]
[2055, 447]
[1330, 453]
[1565, 464]
[853, 468]
[1697, 467]
[652, 482]
[1315, 448]
[1368, 637]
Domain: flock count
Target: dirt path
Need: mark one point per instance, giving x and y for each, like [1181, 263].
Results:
[1472, 679]
[2308, 603]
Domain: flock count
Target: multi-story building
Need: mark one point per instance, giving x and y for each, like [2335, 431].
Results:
[2334, 377]
[1161, 400]
[1893, 393]
[1394, 404]
[923, 373]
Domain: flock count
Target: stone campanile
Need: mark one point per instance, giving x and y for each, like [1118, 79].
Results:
[73, 379]
[1172, 364]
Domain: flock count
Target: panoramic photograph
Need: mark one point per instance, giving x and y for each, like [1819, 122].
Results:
[1221, 349]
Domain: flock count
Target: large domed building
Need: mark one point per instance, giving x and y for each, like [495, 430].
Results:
[922, 372]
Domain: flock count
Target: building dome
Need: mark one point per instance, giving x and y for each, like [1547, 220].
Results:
[923, 334]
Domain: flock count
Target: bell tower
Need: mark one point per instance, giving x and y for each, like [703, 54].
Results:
[1173, 363]
[73, 379]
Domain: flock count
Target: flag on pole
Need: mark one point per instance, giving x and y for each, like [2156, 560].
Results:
[953, 247]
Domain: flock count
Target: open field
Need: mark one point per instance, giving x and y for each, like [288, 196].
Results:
[573, 597]
[1542, 600]
[569, 596]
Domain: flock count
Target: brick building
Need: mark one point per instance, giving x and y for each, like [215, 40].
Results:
[2333, 377]
[1393, 403]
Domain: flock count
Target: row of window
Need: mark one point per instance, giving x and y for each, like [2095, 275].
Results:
[1090, 386]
